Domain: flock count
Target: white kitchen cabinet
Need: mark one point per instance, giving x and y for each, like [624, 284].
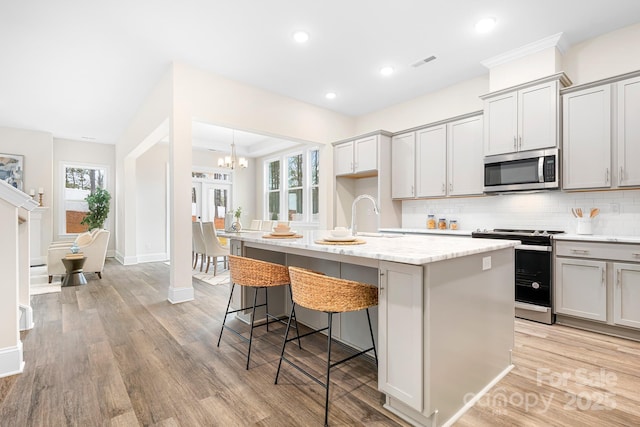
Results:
[439, 160]
[626, 294]
[358, 156]
[586, 138]
[400, 332]
[403, 166]
[525, 119]
[465, 169]
[431, 161]
[628, 170]
[598, 281]
[580, 288]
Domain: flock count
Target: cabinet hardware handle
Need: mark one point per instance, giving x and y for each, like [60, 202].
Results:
[621, 176]
[606, 176]
[580, 251]
[412, 191]
[635, 254]
[351, 167]
[515, 143]
[450, 187]
[603, 278]
[520, 142]
[618, 278]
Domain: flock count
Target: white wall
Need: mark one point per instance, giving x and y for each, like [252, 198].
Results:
[449, 102]
[88, 153]
[37, 149]
[605, 56]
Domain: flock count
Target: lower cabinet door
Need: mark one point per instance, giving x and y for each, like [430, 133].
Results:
[626, 294]
[400, 333]
[581, 288]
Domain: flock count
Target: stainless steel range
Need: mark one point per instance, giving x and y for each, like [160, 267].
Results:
[534, 271]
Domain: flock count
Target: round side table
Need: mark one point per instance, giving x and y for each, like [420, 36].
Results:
[74, 276]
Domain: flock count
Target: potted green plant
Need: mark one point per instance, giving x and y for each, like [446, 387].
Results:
[237, 225]
[98, 208]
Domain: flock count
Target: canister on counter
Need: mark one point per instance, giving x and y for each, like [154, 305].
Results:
[431, 222]
[453, 224]
[442, 224]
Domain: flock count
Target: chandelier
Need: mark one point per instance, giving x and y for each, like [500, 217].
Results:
[233, 161]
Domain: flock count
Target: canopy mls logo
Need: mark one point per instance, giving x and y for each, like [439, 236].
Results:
[591, 393]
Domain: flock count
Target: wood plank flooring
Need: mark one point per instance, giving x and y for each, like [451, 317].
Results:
[116, 353]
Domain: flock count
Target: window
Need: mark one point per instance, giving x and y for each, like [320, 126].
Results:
[273, 190]
[78, 182]
[298, 198]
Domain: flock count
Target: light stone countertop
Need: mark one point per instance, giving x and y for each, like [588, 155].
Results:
[446, 232]
[597, 238]
[407, 249]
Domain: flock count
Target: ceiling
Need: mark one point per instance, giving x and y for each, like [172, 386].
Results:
[81, 69]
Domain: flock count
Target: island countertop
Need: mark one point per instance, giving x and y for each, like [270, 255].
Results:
[407, 249]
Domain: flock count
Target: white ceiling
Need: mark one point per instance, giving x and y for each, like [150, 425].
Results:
[81, 69]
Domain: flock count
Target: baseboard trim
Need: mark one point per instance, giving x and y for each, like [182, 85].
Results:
[178, 295]
[158, 257]
[11, 362]
[130, 260]
[26, 317]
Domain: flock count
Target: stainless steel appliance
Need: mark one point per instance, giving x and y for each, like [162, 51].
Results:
[528, 170]
[533, 276]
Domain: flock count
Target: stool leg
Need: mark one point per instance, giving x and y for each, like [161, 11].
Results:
[226, 313]
[253, 316]
[293, 314]
[266, 307]
[373, 343]
[284, 342]
[326, 400]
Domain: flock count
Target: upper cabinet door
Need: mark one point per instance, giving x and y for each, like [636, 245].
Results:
[629, 132]
[465, 165]
[431, 161]
[403, 166]
[586, 138]
[366, 158]
[538, 117]
[343, 155]
[501, 124]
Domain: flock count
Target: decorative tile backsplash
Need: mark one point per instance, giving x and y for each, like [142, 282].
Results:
[551, 210]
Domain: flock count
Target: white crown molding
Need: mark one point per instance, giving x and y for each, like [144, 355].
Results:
[557, 40]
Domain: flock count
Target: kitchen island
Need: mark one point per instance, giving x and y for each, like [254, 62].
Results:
[445, 320]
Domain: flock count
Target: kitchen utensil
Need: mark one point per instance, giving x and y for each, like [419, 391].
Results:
[579, 212]
[573, 212]
[594, 212]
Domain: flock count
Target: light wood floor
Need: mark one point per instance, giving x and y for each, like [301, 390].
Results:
[115, 352]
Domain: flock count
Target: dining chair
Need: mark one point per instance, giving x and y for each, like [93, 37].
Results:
[213, 247]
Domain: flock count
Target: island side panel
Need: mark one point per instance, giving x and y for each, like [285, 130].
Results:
[469, 327]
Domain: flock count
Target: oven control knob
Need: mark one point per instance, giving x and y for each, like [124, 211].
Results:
[535, 285]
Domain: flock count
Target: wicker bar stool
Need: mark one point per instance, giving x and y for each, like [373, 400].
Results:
[258, 275]
[331, 295]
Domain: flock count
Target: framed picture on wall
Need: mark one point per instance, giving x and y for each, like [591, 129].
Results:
[12, 169]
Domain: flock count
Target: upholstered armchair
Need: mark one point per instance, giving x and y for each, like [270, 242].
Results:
[92, 244]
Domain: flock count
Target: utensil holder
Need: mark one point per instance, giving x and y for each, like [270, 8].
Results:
[584, 226]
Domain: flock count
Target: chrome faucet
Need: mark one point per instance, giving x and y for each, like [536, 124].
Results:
[354, 229]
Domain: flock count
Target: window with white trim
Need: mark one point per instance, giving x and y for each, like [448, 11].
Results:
[78, 181]
[292, 186]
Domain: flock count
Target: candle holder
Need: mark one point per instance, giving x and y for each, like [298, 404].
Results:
[40, 194]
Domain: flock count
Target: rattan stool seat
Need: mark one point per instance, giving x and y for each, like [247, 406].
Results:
[258, 275]
[331, 295]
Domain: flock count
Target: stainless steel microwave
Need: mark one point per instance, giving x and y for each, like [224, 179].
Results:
[528, 170]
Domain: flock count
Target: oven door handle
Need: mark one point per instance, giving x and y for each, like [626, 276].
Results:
[534, 248]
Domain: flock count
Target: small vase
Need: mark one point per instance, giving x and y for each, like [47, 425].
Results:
[236, 226]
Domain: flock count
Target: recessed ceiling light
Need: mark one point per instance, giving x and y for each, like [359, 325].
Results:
[485, 25]
[386, 71]
[301, 36]
[331, 95]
